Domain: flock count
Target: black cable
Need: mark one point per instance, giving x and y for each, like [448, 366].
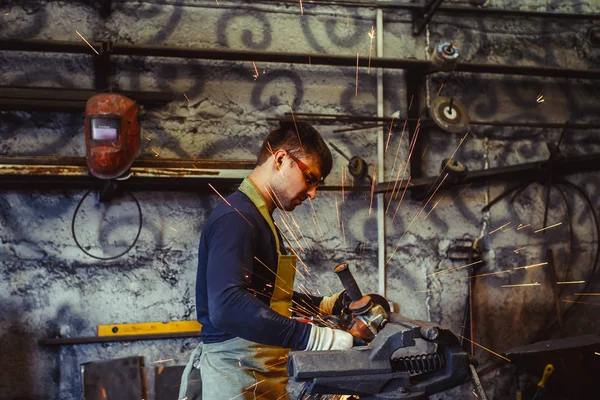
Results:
[597, 225]
[519, 186]
[137, 203]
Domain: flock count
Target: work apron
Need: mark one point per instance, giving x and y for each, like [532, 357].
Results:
[238, 368]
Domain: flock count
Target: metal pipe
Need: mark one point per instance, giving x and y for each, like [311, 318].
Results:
[292, 58]
[445, 9]
[381, 234]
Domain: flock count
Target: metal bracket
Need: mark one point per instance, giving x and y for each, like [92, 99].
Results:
[423, 16]
[103, 68]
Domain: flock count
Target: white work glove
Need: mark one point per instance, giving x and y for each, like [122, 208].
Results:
[323, 338]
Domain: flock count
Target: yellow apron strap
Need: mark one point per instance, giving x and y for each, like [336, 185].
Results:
[286, 264]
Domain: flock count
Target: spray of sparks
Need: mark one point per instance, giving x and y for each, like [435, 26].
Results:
[372, 36]
[88, 43]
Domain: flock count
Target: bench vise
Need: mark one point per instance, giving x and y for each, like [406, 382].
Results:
[383, 369]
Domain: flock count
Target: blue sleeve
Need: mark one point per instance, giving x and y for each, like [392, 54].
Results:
[231, 305]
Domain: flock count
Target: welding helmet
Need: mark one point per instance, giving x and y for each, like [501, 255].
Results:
[112, 134]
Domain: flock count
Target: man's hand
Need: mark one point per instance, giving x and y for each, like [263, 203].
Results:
[335, 304]
[323, 338]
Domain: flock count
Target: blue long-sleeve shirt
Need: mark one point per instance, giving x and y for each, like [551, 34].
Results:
[237, 263]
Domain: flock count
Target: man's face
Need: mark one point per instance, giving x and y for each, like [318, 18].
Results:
[296, 180]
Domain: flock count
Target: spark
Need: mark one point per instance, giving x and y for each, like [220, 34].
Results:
[389, 135]
[301, 8]
[421, 210]
[414, 219]
[373, 190]
[485, 348]
[424, 151]
[519, 249]
[372, 36]
[254, 384]
[596, 353]
[88, 43]
[401, 177]
[523, 285]
[309, 61]
[219, 194]
[267, 267]
[474, 394]
[569, 282]
[587, 294]
[270, 149]
[581, 302]
[162, 361]
[454, 269]
[433, 208]
[343, 176]
[488, 274]
[147, 138]
[402, 197]
[440, 91]
[155, 152]
[411, 101]
[337, 212]
[424, 291]
[315, 218]
[343, 233]
[540, 97]
[531, 266]
[292, 233]
[187, 98]
[522, 226]
[173, 229]
[256, 74]
[497, 229]
[296, 126]
[242, 215]
[356, 74]
[399, 143]
[548, 227]
[194, 166]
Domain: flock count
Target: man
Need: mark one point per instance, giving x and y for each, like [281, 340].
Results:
[245, 279]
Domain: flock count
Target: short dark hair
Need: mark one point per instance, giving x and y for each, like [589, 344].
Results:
[297, 138]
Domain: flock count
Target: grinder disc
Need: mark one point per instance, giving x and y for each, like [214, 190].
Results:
[449, 114]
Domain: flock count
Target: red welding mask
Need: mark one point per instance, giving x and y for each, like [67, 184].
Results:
[112, 134]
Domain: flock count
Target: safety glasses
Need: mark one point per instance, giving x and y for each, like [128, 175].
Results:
[311, 180]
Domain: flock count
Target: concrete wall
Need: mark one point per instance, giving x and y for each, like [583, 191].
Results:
[49, 288]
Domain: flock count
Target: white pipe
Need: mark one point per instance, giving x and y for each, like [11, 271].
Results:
[380, 162]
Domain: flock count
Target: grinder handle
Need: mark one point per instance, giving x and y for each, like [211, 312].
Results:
[343, 272]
